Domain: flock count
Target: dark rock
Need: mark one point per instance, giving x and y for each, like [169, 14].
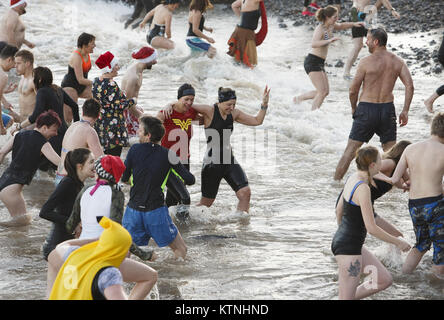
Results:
[339, 64]
[282, 25]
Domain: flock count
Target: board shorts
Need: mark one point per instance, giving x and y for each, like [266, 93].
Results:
[6, 119]
[370, 118]
[428, 222]
[313, 63]
[197, 44]
[144, 225]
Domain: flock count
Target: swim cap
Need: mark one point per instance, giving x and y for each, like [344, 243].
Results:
[185, 90]
[226, 94]
[16, 3]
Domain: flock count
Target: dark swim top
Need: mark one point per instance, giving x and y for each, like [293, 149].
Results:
[219, 129]
[70, 79]
[157, 31]
[250, 19]
[381, 188]
[201, 26]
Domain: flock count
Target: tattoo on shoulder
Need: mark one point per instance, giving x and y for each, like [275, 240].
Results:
[355, 269]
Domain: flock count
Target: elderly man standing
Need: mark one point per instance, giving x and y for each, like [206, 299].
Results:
[12, 29]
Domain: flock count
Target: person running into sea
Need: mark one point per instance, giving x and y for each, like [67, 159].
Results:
[90, 268]
[243, 41]
[357, 13]
[424, 162]
[159, 35]
[144, 59]
[140, 7]
[76, 82]
[7, 62]
[354, 221]
[12, 29]
[24, 65]
[178, 123]
[79, 165]
[196, 21]
[27, 147]
[440, 91]
[315, 61]
[81, 134]
[219, 162]
[146, 215]
[111, 126]
[376, 112]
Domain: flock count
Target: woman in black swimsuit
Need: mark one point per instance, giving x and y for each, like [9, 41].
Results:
[354, 221]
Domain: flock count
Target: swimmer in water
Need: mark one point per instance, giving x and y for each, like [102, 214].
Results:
[315, 61]
[354, 221]
[196, 39]
[159, 35]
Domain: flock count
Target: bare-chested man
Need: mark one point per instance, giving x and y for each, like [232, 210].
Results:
[145, 58]
[81, 134]
[358, 13]
[375, 113]
[24, 65]
[6, 64]
[425, 162]
[12, 29]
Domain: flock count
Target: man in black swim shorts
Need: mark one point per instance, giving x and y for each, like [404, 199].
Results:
[375, 112]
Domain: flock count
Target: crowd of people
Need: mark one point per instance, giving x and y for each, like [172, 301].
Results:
[93, 235]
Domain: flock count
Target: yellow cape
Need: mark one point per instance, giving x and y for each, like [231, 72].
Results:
[75, 277]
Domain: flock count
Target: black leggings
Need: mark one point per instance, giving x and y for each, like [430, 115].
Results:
[177, 192]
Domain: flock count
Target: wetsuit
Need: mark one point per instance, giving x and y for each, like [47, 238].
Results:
[53, 98]
[26, 157]
[179, 126]
[146, 215]
[219, 162]
[351, 233]
[193, 41]
[157, 31]
[58, 209]
[70, 79]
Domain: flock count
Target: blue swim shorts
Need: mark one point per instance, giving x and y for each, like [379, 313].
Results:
[428, 221]
[156, 224]
[198, 44]
[5, 119]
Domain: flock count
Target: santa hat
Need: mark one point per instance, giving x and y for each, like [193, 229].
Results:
[16, 3]
[106, 62]
[145, 55]
[110, 168]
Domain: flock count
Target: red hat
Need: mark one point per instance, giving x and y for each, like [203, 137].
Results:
[106, 61]
[145, 55]
[16, 3]
[110, 168]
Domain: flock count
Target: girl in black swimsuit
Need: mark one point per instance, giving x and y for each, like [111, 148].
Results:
[354, 221]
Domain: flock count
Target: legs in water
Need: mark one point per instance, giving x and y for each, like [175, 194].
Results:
[358, 43]
[12, 197]
[320, 82]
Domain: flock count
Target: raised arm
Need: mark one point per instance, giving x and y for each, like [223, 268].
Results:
[250, 120]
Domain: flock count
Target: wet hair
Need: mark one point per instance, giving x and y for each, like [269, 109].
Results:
[185, 90]
[85, 39]
[380, 35]
[201, 5]
[154, 127]
[8, 52]
[225, 94]
[365, 157]
[324, 13]
[91, 108]
[396, 151]
[48, 118]
[72, 159]
[26, 55]
[438, 125]
[2, 45]
[42, 77]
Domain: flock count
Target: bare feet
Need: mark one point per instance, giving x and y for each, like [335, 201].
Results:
[18, 221]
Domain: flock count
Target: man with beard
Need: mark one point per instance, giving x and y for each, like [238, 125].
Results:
[375, 112]
[12, 29]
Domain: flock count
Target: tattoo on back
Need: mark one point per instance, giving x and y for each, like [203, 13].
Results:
[355, 269]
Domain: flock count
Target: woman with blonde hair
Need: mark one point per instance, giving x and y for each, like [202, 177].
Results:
[355, 220]
[315, 61]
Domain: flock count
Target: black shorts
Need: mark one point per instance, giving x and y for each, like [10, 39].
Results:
[359, 32]
[370, 118]
[212, 174]
[313, 63]
[69, 81]
[11, 177]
